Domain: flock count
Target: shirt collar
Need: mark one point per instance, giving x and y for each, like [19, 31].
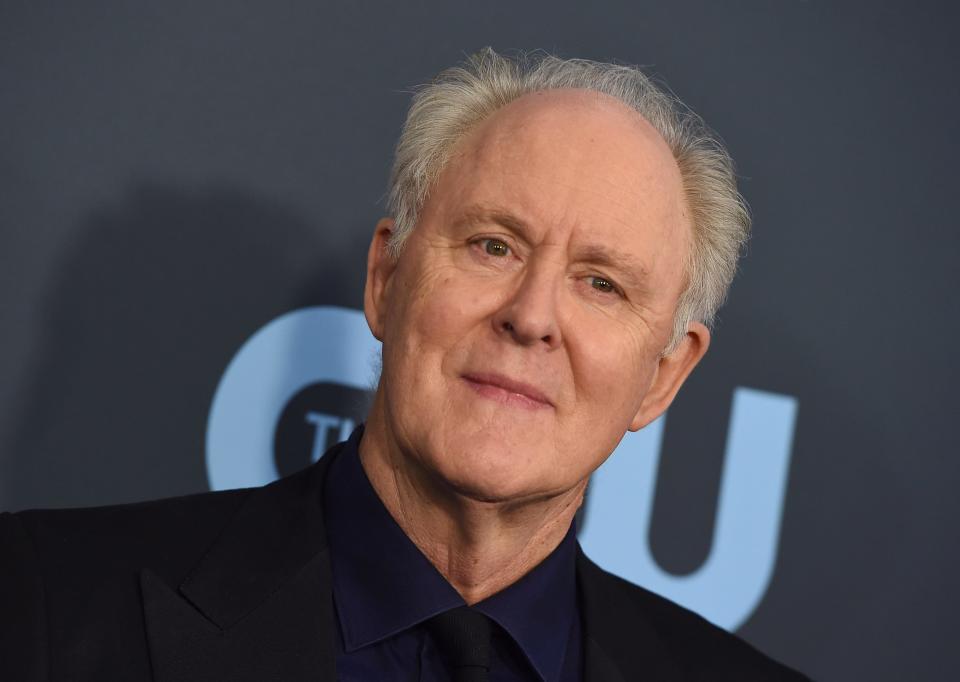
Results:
[538, 610]
[383, 584]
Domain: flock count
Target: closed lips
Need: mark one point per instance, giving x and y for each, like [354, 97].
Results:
[507, 384]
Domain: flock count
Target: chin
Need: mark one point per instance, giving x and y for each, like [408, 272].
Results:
[494, 474]
[491, 491]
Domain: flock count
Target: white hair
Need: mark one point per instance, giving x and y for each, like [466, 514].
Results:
[460, 97]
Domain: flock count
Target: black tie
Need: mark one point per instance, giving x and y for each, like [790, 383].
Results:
[463, 637]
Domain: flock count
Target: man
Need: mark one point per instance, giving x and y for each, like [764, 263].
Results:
[562, 233]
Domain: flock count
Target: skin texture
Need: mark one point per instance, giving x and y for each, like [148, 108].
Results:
[550, 253]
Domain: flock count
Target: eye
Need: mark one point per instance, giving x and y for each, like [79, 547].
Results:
[494, 247]
[602, 284]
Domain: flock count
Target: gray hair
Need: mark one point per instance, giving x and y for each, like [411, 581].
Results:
[462, 96]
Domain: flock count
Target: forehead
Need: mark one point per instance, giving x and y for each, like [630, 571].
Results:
[572, 160]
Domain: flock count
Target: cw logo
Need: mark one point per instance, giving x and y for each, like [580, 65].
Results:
[333, 346]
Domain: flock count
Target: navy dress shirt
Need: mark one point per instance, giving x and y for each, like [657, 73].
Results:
[384, 589]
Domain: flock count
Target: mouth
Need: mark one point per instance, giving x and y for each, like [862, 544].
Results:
[507, 391]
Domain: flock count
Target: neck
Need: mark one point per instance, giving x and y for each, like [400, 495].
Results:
[479, 546]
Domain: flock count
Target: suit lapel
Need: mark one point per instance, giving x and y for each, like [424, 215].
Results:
[597, 665]
[619, 643]
[259, 604]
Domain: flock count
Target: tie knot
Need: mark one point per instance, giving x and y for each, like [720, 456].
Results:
[463, 637]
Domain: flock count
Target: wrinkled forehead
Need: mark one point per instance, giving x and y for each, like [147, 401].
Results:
[569, 153]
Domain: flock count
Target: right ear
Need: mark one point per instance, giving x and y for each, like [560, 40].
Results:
[380, 267]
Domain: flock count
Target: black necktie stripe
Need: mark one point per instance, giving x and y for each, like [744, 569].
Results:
[463, 638]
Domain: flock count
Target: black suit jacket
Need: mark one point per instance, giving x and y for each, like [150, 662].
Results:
[235, 585]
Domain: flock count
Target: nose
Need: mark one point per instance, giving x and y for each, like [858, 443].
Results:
[529, 315]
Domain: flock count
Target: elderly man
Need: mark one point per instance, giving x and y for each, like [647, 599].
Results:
[562, 233]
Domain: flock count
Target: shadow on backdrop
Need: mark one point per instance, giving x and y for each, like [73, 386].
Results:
[150, 303]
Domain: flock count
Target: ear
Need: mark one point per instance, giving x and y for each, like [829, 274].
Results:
[380, 267]
[670, 374]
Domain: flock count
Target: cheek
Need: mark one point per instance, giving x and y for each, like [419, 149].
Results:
[434, 314]
[613, 368]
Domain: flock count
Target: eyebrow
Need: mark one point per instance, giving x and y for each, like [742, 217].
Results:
[628, 271]
[489, 214]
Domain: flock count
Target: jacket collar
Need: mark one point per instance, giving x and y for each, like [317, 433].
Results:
[264, 586]
[277, 530]
[619, 641]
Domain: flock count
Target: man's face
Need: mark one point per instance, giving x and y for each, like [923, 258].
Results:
[523, 323]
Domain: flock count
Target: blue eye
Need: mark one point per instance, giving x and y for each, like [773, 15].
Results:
[495, 247]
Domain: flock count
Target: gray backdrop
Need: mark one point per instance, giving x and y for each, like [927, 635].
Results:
[175, 175]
